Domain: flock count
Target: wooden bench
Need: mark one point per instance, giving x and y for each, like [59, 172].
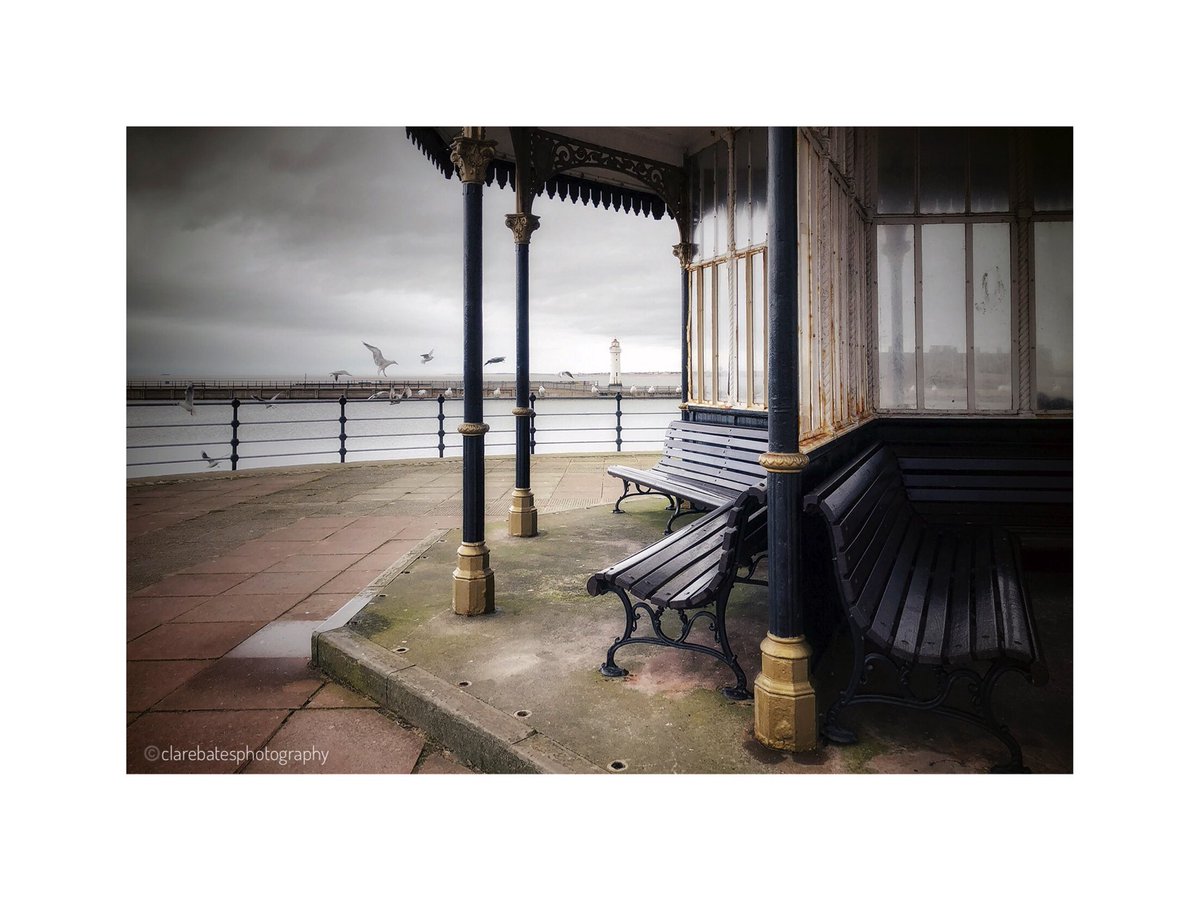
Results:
[693, 568]
[706, 465]
[922, 590]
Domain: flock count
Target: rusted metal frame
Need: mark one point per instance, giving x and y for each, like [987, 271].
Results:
[828, 301]
[969, 292]
[554, 153]
[731, 384]
[804, 335]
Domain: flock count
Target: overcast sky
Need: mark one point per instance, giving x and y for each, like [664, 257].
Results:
[279, 251]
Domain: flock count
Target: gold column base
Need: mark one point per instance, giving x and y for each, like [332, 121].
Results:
[785, 706]
[522, 515]
[474, 582]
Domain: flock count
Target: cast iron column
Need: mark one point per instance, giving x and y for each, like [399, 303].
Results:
[685, 252]
[522, 514]
[785, 708]
[474, 583]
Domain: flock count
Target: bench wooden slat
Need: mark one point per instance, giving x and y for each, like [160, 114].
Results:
[649, 576]
[908, 625]
[1024, 465]
[1015, 629]
[933, 635]
[960, 481]
[897, 554]
[985, 636]
[983, 495]
[958, 617]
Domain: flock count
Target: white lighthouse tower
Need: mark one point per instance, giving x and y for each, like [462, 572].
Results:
[614, 376]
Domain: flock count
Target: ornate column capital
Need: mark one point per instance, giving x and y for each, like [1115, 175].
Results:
[523, 225]
[471, 154]
[782, 462]
[685, 252]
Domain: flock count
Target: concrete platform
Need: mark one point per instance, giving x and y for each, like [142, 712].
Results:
[520, 691]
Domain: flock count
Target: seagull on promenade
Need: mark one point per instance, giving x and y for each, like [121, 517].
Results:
[541, 390]
[595, 390]
[209, 460]
[339, 373]
[494, 360]
[380, 363]
[650, 390]
[189, 400]
[496, 393]
[567, 374]
[422, 393]
[425, 358]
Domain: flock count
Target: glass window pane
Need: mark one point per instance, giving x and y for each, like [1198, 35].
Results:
[758, 185]
[706, 338]
[897, 160]
[944, 316]
[989, 170]
[1053, 297]
[721, 223]
[1052, 168]
[741, 187]
[897, 318]
[745, 348]
[696, 355]
[726, 391]
[708, 211]
[758, 298]
[697, 208]
[992, 301]
[943, 170]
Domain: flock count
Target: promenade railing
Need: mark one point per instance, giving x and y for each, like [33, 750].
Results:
[163, 437]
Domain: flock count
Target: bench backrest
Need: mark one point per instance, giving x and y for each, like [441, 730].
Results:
[726, 456]
[871, 526]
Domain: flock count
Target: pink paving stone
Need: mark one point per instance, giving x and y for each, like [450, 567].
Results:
[144, 614]
[356, 741]
[232, 563]
[268, 546]
[388, 554]
[302, 532]
[154, 736]
[234, 608]
[436, 763]
[190, 641]
[318, 606]
[360, 542]
[350, 582]
[281, 583]
[302, 563]
[148, 681]
[192, 584]
[334, 695]
[246, 683]
[152, 522]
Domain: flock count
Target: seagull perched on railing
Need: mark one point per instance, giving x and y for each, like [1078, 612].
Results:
[336, 375]
[595, 390]
[541, 391]
[496, 393]
[425, 358]
[189, 400]
[650, 390]
[494, 360]
[422, 393]
[380, 363]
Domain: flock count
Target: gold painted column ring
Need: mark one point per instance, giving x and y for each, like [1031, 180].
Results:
[786, 462]
[468, 429]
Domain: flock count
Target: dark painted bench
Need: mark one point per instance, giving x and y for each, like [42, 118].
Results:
[919, 589]
[693, 568]
[704, 464]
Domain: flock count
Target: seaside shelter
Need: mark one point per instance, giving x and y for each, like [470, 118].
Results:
[840, 289]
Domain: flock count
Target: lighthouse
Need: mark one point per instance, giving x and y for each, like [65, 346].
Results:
[614, 376]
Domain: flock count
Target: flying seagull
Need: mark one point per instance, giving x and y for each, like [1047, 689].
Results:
[270, 403]
[209, 460]
[380, 363]
[189, 400]
[339, 373]
[425, 358]
[568, 375]
[494, 360]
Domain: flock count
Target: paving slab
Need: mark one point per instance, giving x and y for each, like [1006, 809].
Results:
[190, 641]
[340, 741]
[203, 741]
[284, 638]
[148, 681]
[241, 683]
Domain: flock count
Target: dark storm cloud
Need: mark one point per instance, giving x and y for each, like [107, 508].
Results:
[278, 251]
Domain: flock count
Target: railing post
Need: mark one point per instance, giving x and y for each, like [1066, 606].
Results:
[441, 425]
[533, 423]
[618, 422]
[342, 422]
[233, 442]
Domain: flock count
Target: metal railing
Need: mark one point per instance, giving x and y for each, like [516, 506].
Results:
[369, 436]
